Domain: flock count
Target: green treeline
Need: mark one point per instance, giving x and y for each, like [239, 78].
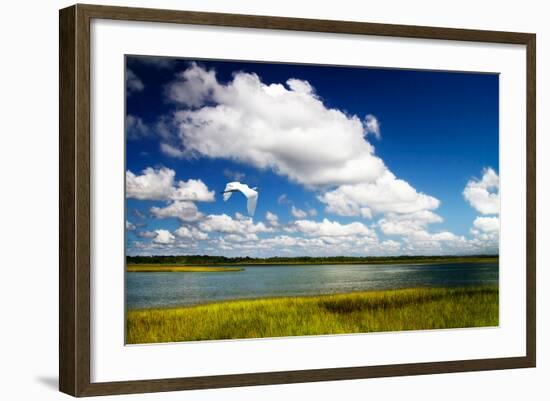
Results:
[199, 260]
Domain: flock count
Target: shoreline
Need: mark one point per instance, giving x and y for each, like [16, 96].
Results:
[228, 266]
[151, 268]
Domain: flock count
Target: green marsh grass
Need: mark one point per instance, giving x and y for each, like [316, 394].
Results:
[360, 312]
[154, 268]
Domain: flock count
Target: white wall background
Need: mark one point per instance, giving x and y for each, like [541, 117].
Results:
[28, 201]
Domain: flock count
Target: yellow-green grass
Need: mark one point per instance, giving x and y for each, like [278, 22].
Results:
[359, 312]
[177, 268]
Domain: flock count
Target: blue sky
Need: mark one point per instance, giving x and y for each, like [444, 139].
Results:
[348, 160]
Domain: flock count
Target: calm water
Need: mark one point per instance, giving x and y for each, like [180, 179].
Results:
[147, 290]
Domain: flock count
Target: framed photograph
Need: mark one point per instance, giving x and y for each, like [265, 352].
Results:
[249, 200]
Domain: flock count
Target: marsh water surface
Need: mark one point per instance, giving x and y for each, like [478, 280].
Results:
[154, 290]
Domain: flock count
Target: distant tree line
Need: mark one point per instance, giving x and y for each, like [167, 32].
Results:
[223, 260]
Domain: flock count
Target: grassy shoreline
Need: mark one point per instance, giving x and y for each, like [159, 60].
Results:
[151, 268]
[235, 266]
[357, 312]
[210, 260]
[375, 262]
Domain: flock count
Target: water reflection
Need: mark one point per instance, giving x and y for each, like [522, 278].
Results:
[145, 290]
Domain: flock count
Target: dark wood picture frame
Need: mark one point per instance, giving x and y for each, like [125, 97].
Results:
[74, 200]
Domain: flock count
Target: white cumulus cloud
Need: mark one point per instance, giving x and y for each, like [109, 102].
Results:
[487, 224]
[133, 83]
[298, 213]
[226, 224]
[412, 228]
[384, 195]
[407, 224]
[287, 129]
[331, 228]
[483, 194]
[159, 184]
[170, 150]
[283, 199]
[272, 219]
[423, 242]
[191, 233]
[192, 190]
[151, 184]
[372, 126]
[163, 237]
[182, 210]
[136, 128]
[146, 234]
[390, 246]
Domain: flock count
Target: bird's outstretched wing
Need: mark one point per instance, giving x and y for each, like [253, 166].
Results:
[251, 203]
[250, 194]
[229, 187]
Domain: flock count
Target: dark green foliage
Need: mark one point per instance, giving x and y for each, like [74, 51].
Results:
[199, 260]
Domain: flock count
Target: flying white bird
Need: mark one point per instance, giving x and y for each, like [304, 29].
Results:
[250, 193]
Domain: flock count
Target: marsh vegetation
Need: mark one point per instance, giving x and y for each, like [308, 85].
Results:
[359, 312]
